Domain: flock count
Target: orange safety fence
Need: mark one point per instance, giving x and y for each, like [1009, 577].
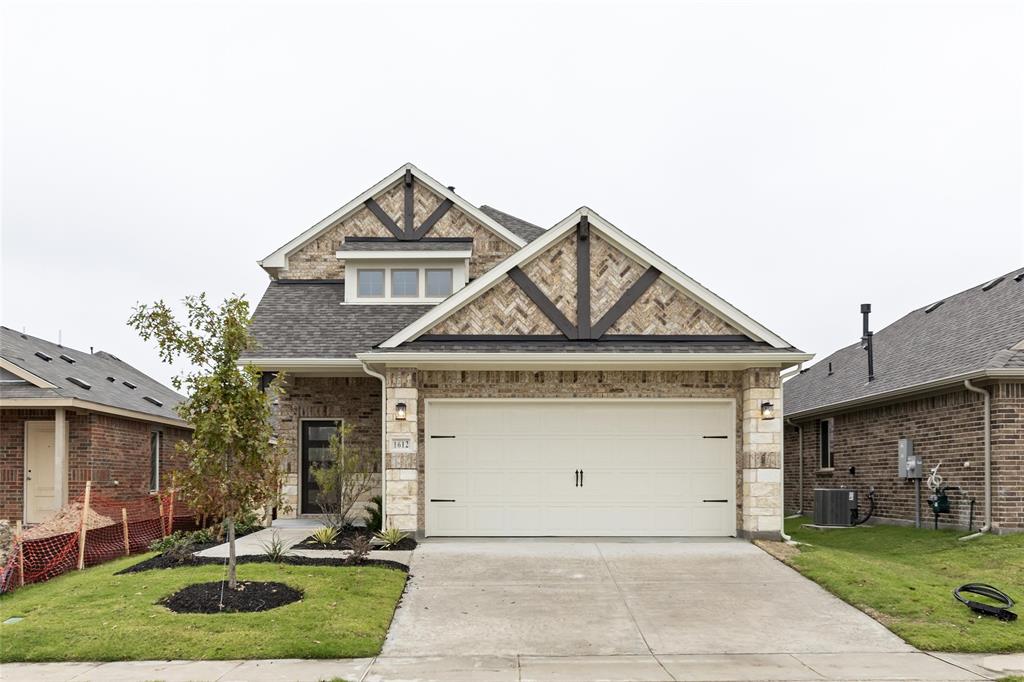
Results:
[111, 528]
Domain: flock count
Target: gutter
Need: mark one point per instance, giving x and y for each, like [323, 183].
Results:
[383, 443]
[988, 458]
[77, 404]
[465, 360]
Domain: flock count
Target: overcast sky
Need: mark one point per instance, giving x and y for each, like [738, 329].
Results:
[797, 159]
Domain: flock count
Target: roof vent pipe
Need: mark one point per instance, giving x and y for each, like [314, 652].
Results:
[867, 340]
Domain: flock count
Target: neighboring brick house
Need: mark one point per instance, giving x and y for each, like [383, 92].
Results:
[68, 416]
[848, 426]
[517, 380]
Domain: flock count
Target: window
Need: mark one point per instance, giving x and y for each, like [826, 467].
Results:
[154, 460]
[370, 283]
[825, 427]
[439, 283]
[405, 283]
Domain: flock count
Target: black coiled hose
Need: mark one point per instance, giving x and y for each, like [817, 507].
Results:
[981, 589]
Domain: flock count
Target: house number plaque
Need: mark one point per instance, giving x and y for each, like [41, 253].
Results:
[401, 444]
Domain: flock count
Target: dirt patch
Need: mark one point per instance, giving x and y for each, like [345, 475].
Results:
[162, 561]
[216, 597]
[780, 550]
[346, 537]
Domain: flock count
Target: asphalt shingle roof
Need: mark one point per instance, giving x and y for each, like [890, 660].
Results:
[516, 226]
[306, 319]
[95, 370]
[971, 331]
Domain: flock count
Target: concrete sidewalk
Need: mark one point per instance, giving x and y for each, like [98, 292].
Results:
[631, 668]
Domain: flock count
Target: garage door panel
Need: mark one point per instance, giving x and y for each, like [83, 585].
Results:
[647, 468]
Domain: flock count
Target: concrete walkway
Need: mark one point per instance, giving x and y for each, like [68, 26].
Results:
[650, 668]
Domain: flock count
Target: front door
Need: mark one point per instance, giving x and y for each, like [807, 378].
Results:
[316, 451]
[40, 498]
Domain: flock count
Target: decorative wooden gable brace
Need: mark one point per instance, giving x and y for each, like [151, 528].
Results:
[580, 224]
[583, 329]
[407, 232]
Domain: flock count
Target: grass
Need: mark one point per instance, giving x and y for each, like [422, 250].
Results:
[94, 615]
[904, 577]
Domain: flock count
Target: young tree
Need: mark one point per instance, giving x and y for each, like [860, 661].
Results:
[234, 464]
[345, 478]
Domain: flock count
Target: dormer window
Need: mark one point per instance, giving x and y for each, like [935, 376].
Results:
[405, 283]
[438, 282]
[390, 271]
[370, 283]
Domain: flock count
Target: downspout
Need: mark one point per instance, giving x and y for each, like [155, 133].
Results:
[988, 458]
[383, 443]
[800, 468]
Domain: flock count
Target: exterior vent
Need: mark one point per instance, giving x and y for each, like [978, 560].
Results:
[988, 285]
[933, 306]
[111, 379]
[1019, 277]
[67, 358]
[129, 384]
[152, 400]
[79, 382]
[835, 506]
[43, 356]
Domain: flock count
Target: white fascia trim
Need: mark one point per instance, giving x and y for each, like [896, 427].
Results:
[896, 394]
[652, 360]
[279, 258]
[22, 373]
[75, 403]
[403, 255]
[690, 286]
[302, 363]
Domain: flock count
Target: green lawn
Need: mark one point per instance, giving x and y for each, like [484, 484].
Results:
[94, 615]
[904, 577]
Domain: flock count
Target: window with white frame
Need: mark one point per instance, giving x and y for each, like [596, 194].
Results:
[825, 430]
[405, 283]
[370, 283]
[154, 460]
[438, 282]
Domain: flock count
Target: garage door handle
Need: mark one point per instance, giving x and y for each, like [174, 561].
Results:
[722, 437]
[442, 436]
[716, 500]
[434, 499]
[581, 478]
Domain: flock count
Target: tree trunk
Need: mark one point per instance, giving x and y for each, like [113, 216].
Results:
[232, 573]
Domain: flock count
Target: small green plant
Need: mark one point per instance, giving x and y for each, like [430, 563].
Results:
[275, 549]
[360, 546]
[391, 537]
[325, 536]
[374, 517]
[178, 545]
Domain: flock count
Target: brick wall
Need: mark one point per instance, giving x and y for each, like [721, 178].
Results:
[112, 452]
[356, 400]
[946, 427]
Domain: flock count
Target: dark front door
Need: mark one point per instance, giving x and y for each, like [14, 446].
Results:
[316, 451]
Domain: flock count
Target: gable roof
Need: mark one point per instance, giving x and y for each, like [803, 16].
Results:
[528, 231]
[87, 378]
[279, 258]
[691, 287]
[307, 319]
[972, 332]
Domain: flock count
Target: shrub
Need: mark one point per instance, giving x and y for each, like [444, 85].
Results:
[391, 537]
[360, 546]
[345, 478]
[374, 517]
[179, 545]
[325, 536]
[274, 549]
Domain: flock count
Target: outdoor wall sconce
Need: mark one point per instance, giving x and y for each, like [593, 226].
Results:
[400, 411]
[767, 411]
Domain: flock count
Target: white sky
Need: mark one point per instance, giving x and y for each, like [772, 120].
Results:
[797, 159]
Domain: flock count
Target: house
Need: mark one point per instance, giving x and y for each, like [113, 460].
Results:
[939, 377]
[520, 381]
[69, 416]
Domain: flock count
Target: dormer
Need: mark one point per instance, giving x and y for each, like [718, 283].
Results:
[387, 270]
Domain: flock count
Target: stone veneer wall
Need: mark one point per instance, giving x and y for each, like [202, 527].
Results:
[355, 400]
[110, 451]
[758, 449]
[946, 427]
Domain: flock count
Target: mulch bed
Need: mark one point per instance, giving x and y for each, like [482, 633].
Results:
[345, 538]
[161, 561]
[248, 597]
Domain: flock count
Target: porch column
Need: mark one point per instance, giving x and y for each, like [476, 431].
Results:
[401, 450]
[762, 454]
[60, 456]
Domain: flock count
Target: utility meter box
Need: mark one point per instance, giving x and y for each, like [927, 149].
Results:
[910, 464]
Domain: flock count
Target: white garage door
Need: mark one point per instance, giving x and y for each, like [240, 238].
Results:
[572, 467]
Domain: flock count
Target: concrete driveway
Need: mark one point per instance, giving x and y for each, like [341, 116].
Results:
[593, 598]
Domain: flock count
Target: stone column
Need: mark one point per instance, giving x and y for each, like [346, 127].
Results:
[401, 475]
[60, 457]
[762, 454]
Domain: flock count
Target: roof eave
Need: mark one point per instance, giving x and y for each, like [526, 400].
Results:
[595, 360]
[77, 403]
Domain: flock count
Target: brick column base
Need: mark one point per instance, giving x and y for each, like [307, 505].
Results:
[762, 455]
[401, 476]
